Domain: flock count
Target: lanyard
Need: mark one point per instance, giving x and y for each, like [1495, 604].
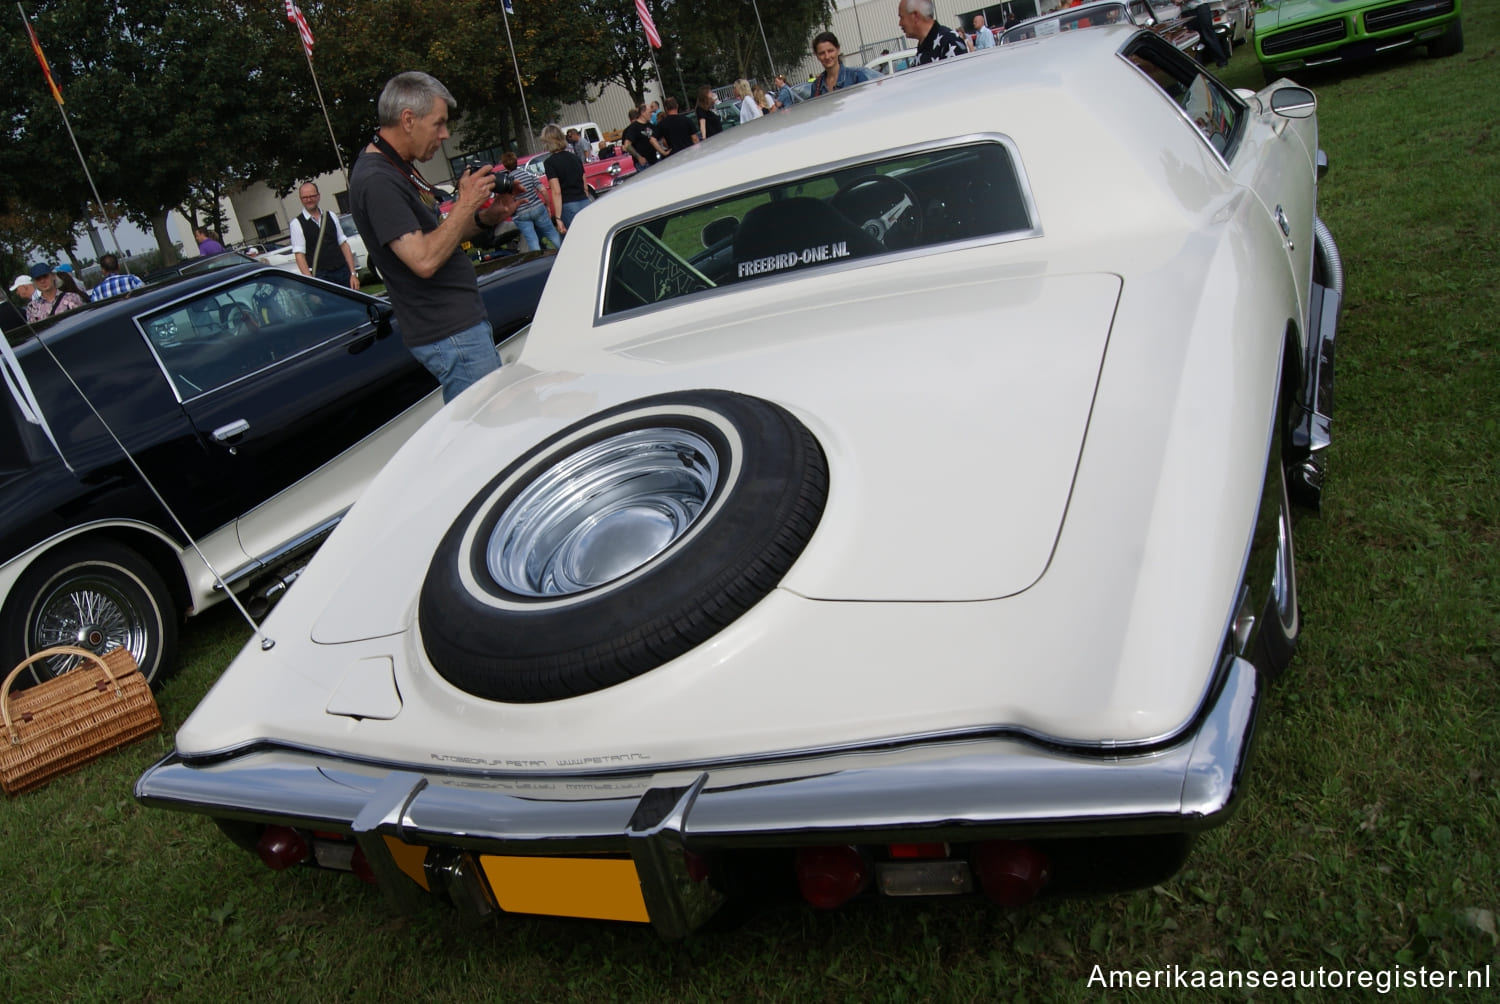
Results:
[427, 192]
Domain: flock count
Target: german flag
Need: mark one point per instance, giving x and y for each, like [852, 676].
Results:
[46, 70]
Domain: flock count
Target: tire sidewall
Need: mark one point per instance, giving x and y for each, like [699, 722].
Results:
[483, 638]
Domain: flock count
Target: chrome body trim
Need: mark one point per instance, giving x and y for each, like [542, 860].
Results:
[1313, 432]
[1003, 788]
[302, 542]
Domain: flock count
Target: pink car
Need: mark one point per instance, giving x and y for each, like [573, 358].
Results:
[598, 175]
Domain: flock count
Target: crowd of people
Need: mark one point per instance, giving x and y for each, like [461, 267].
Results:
[47, 290]
[413, 112]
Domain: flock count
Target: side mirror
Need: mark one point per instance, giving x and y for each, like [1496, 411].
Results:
[1294, 102]
[380, 316]
[719, 230]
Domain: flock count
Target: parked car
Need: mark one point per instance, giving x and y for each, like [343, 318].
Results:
[258, 404]
[282, 256]
[198, 265]
[880, 506]
[889, 63]
[1297, 34]
[279, 256]
[1164, 19]
[599, 176]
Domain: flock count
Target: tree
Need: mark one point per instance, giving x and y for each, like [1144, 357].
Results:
[461, 42]
[716, 42]
[158, 98]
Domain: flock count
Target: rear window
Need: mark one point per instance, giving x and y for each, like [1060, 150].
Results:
[836, 217]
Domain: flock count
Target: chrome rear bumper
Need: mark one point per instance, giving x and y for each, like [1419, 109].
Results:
[975, 790]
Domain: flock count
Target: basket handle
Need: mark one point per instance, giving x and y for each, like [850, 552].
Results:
[46, 653]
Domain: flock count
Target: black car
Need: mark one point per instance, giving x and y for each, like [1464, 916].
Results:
[227, 418]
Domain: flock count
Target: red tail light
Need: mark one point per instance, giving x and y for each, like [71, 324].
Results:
[281, 847]
[918, 850]
[360, 866]
[830, 876]
[1010, 873]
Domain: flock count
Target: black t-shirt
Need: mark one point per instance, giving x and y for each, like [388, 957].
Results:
[712, 118]
[386, 206]
[565, 167]
[639, 138]
[678, 131]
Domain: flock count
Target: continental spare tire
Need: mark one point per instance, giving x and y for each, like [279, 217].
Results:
[620, 543]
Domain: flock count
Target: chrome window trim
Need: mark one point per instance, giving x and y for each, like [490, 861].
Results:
[1142, 40]
[138, 319]
[1003, 237]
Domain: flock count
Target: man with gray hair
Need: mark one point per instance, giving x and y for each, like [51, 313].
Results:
[430, 280]
[918, 20]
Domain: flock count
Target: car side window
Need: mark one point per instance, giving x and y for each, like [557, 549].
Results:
[229, 332]
[837, 216]
[1216, 111]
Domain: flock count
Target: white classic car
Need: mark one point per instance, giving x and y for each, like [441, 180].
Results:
[895, 511]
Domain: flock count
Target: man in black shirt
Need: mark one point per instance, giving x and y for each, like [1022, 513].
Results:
[918, 20]
[638, 139]
[429, 279]
[676, 129]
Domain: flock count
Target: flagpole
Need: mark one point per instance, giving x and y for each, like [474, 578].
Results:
[57, 95]
[769, 61]
[331, 137]
[653, 42]
[505, 15]
[661, 84]
[305, 36]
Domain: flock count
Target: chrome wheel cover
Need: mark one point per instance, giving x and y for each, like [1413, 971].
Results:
[92, 612]
[602, 512]
[1284, 581]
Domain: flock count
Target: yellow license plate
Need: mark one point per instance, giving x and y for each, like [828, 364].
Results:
[597, 888]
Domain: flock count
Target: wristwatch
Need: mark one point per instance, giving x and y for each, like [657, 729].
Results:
[480, 223]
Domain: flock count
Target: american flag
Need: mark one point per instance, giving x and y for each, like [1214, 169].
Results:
[294, 14]
[652, 35]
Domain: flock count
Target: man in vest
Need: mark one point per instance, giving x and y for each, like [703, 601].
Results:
[319, 244]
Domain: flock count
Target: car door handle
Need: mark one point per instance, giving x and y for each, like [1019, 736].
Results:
[233, 430]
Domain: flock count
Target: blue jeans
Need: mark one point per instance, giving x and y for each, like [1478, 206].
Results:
[534, 223]
[460, 359]
[572, 209]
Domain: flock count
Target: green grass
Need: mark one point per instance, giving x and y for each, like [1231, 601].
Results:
[1369, 837]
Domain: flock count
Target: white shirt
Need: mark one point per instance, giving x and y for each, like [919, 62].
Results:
[299, 239]
[749, 109]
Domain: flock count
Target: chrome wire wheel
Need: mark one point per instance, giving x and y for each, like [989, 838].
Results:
[603, 512]
[96, 594]
[89, 611]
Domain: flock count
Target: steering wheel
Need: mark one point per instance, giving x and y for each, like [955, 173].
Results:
[884, 207]
[239, 320]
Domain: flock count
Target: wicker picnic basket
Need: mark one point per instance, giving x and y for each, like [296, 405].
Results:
[63, 723]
